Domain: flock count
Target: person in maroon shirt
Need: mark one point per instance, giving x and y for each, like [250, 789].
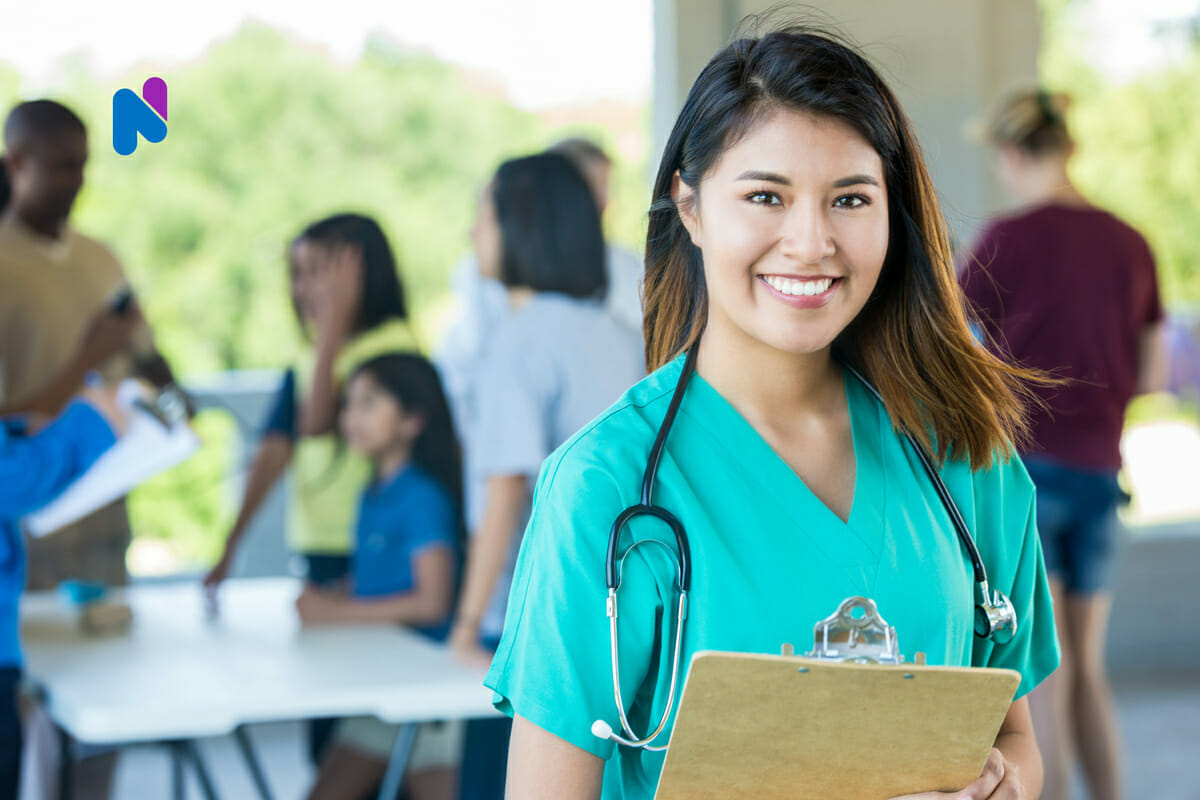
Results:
[1067, 288]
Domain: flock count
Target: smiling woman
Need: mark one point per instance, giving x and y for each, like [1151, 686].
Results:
[794, 234]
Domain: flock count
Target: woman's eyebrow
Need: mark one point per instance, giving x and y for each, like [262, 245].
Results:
[758, 175]
[854, 180]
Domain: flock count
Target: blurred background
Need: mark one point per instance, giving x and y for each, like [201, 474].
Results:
[282, 113]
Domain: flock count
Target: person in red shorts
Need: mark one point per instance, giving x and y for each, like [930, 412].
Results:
[1065, 287]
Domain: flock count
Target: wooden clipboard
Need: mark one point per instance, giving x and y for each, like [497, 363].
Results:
[788, 727]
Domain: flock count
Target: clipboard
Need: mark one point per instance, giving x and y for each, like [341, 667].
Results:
[158, 438]
[765, 727]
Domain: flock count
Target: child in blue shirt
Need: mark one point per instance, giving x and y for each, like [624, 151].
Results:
[405, 564]
[33, 470]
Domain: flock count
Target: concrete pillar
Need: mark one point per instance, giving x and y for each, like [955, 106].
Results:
[947, 61]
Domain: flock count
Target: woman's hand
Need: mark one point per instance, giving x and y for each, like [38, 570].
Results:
[464, 643]
[337, 292]
[1000, 780]
[316, 607]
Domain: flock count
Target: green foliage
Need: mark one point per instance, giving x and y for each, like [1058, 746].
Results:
[1138, 147]
[266, 135]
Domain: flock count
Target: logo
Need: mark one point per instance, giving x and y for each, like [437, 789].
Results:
[146, 115]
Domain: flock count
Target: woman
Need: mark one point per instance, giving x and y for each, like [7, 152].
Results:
[551, 364]
[1069, 288]
[348, 298]
[794, 228]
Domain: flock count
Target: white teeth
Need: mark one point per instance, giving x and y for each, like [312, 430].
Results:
[799, 288]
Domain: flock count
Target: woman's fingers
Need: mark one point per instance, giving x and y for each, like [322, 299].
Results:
[993, 783]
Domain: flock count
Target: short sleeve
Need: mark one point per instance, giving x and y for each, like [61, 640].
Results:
[554, 665]
[430, 520]
[511, 434]
[1152, 310]
[1012, 551]
[282, 418]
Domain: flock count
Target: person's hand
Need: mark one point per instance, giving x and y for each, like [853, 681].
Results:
[220, 571]
[109, 332]
[337, 292]
[316, 607]
[464, 644]
[104, 400]
[998, 781]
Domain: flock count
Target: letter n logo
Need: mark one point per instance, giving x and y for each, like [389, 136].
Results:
[133, 115]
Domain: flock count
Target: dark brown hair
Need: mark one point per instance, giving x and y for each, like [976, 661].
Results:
[912, 338]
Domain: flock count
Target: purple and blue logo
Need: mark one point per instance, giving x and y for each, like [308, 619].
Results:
[146, 115]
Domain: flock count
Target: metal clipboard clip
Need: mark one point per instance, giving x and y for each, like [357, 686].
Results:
[856, 633]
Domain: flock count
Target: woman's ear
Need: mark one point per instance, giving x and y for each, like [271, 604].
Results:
[685, 199]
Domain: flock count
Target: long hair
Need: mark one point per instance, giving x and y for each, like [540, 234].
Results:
[414, 383]
[551, 239]
[382, 291]
[912, 338]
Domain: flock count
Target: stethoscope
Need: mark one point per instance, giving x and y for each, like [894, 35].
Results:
[995, 617]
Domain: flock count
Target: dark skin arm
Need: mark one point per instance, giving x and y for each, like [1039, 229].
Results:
[109, 333]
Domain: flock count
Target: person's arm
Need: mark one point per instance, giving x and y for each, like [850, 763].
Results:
[107, 334]
[1153, 368]
[339, 287]
[507, 496]
[34, 470]
[541, 766]
[428, 603]
[1013, 770]
[270, 461]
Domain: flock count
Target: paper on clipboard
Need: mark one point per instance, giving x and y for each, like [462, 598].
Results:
[766, 727]
[149, 446]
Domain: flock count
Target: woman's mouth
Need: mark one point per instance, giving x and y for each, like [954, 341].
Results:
[811, 292]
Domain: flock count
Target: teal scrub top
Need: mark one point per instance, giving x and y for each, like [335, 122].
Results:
[769, 560]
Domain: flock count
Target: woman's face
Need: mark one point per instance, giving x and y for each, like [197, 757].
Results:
[485, 234]
[793, 225]
[307, 260]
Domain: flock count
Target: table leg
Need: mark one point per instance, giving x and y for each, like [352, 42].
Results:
[184, 749]
[398, 761]
[65, 771]
[178, 787]
[252, 763]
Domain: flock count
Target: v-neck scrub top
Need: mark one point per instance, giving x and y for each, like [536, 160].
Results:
[769, 560]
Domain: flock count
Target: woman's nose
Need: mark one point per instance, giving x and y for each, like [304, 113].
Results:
[807, 236]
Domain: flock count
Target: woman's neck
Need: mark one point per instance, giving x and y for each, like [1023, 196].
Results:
[770, 385]
[1048, 184]
[389, 463]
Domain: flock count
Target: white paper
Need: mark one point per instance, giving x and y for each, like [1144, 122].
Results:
[146, 449]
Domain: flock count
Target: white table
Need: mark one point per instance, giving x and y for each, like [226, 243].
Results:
[177, 676]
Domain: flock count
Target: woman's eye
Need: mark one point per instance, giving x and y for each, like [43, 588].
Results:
[852, 201]
[763, 198]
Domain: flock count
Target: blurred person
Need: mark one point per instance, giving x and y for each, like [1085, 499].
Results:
[1065, 287]
[483, 301]
[34, 469]
[350, 305]
[404, 569]
[54, 281]
[554, 360]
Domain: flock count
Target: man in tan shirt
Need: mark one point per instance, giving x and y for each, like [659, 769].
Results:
[56, 286]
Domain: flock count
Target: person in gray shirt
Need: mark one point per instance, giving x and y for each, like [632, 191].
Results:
[551, 364]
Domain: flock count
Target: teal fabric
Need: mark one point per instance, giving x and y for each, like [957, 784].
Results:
[769, 561]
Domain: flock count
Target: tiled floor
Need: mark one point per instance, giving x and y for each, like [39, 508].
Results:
[1160, 721]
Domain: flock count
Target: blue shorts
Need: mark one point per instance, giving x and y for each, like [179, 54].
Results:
[1077, 522]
